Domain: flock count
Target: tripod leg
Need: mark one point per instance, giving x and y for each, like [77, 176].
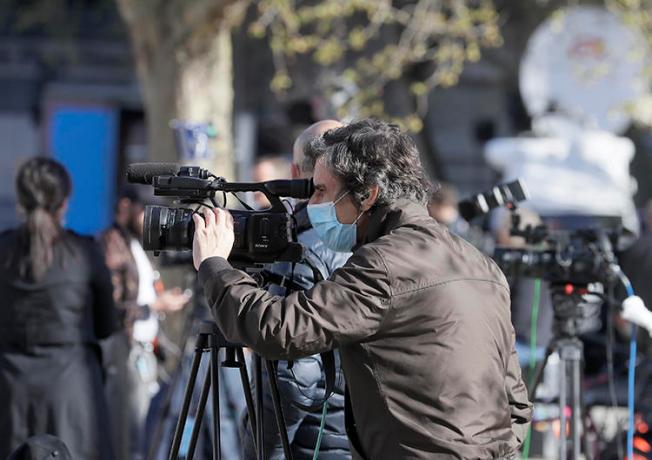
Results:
[215, 383]
[534, 383]
[167, 402]
[181, 422]
[244, 377]
[586, 445]
[278, 409]
[162, 415]
[199, 416]
[562, 410]
[576, 417]
[260, 427]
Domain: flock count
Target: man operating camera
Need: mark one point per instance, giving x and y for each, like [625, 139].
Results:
[420, 317]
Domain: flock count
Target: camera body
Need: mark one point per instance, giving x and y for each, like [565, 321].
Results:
[578, 263]
[260, 236]
[577, 256]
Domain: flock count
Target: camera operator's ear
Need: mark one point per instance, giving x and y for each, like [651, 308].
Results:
[295, 171]
[368, 202]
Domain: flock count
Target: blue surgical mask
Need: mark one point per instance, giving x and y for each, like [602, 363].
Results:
[336, 236]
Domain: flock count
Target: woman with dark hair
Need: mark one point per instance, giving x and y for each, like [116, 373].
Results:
[56, 303]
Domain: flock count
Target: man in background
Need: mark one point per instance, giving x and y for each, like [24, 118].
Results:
[637, 259]
[130, 363]
[303, 381]
[636, 262]
[443, 206]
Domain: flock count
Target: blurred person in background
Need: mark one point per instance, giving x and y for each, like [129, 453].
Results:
[57, 303]
[303, 380]
[636, 262]
[443, 206]
[131, 365]
[532, 323]
[269, 167]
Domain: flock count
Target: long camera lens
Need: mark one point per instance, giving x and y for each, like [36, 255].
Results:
[167, 228]
[259, 237]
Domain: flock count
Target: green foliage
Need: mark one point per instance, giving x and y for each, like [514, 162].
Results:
[637, 15]
[364, 45]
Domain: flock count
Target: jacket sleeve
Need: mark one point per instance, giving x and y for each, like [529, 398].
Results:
[519, 404]
[346, 308]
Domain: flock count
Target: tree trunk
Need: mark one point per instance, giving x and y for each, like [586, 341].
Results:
[183, 57]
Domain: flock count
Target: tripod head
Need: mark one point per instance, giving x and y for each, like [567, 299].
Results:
[209, 335]
[576, 309]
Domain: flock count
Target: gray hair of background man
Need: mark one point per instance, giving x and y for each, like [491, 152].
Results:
[303, 162]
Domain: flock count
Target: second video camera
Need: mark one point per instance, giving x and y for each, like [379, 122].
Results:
[260, 236]
[571, 249]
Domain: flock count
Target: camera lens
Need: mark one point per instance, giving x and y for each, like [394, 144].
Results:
[167, 228]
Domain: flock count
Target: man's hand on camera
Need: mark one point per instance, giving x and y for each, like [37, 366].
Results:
[213, 235]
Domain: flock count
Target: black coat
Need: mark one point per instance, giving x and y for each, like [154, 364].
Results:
[50, 365]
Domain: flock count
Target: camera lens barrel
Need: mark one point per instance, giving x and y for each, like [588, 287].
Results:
[260, 237]
[167, 228]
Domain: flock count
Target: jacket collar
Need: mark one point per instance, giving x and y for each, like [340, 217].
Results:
[386, 218]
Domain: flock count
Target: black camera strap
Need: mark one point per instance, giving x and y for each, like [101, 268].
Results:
[328, 361]
[327, 358]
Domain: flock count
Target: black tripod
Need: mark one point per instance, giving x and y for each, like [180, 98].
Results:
[210, 339]
[573, 315]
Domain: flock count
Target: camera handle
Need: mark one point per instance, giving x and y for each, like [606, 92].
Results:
[211, 340]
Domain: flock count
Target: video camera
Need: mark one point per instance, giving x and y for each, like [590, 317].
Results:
[507, 194]
[260, 236]
[574, 249]
[569, 249]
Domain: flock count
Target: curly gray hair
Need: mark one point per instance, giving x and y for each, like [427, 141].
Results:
[371, 152]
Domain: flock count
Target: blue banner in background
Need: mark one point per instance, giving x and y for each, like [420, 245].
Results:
[84, 139]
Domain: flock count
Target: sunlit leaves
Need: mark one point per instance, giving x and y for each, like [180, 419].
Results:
[372, 43]
[329, 52]
[357, 38]
[281, 82]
